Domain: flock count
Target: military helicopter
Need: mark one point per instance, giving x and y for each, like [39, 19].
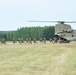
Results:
[63, 32]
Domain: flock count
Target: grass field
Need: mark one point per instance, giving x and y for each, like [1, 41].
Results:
[38, 59]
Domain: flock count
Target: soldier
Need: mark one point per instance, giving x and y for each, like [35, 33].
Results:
[19, 40]
[44, 40]
[3, 41]
[22, 40]
[30, 40]
[55, 40]
[27, 41]
[34, 40]
[40, 39]
[14, 41]
[51, 40]
[60, 41]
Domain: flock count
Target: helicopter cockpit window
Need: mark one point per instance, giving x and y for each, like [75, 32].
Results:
[60, 33]
[64, 30]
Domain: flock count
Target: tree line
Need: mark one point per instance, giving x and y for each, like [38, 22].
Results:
[29, 32]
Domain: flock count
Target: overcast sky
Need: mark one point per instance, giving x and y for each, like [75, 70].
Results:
[15, 13]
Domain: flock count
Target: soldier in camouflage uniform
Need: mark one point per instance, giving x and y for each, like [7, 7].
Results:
[19, 40]
[34, 40]
[44, 40]
[3, 41]
[40, 39]
[30, 40]
[51, 40]
[14, 41]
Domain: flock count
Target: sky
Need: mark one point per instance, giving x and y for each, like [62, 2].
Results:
[14, 14]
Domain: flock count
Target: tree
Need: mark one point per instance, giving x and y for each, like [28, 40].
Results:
[30, 32]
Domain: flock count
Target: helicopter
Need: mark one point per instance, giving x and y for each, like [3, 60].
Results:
[63, 31]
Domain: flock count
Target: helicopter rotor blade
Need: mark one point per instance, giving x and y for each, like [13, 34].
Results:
[54, 21]
[39, 21]
[43, 21]
[70, 21]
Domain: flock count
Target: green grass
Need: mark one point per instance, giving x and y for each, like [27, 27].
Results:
[38, 59]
